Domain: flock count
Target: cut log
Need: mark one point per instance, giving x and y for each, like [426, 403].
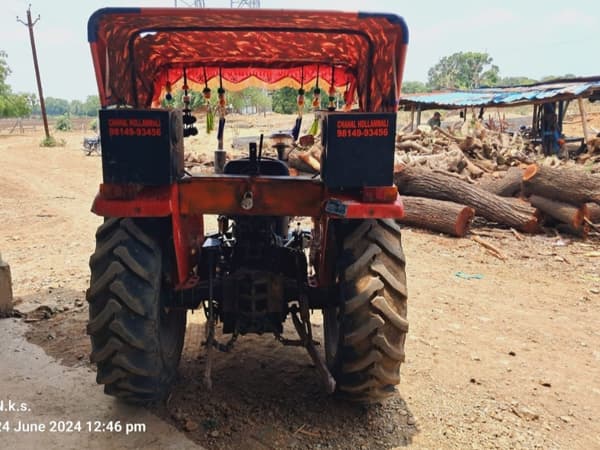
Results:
[563, 212]
[412, 145]
[417, 182]
[437, 215]
[507, 186]
[593, 212]
[564, 184]
[303, 161]
[450, 136]
[452, 161]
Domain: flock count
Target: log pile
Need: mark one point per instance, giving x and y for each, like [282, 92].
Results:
[468, 157]
[501, 177]
[413, 181]
[529, 199]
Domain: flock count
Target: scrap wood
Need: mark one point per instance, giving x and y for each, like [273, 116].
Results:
[493, 249]
[450, 136]
[591, 224]
[518, 235]
[308, 433]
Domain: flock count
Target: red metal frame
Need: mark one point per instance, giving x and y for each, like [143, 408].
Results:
[186, 202]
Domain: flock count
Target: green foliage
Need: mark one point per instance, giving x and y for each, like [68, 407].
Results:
[94, 124]
[56, 106]
[557, 77]
[11, 105]
[413, 87]
[4, 72]
[91, 106]
[59, 106]
[284, 100]
[463, 70]
[52, 142]
[516, 81]
[63, 123]
[250, 98]
[76, 108]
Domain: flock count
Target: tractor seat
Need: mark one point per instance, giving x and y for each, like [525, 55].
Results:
[268, 166]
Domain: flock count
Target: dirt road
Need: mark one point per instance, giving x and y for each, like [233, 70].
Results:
[499, 355]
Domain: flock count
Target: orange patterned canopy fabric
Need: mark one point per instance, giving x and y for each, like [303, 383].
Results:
[136, 51]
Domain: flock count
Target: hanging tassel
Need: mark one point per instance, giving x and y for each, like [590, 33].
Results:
[221, 128]
[168, 88]
[188, 119]
[210, 117]
[221, 107]
[314, 128]
[331, 105]
[317, 93]
[300, 102]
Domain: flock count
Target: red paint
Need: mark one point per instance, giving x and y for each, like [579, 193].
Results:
[187, 201]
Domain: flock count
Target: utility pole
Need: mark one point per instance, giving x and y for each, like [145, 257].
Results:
[30, 25]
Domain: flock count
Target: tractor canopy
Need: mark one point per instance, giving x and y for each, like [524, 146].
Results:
[138, 53]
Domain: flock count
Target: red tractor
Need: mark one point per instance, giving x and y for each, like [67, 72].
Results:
[153, 261]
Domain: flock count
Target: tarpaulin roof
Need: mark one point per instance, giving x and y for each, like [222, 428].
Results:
[507, 96]
[137, 50]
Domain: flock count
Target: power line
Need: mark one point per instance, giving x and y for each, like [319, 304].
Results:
[245, 3]
[191, 4]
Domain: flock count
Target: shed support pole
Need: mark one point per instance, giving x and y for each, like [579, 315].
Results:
[412, 118]
[418, 116]
[583, 119]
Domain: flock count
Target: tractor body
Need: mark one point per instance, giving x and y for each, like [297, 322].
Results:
[154, 260]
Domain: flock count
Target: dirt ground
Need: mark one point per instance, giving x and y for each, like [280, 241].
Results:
[499, 354]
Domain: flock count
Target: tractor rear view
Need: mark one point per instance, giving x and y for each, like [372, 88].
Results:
[153, 260]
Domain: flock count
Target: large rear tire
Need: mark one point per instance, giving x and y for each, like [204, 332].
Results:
[136, 340]
[364, 337]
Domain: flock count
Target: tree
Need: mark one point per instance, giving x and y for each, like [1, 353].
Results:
[56, 106]
[413, 87]
[466, 70]
[11, 105]
[554, 77]
[4, 72]
[91, 106]
[284, 100]
[516, 81]
[252, 97]
[76, 108]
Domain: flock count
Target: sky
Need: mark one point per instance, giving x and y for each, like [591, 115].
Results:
[524, 38]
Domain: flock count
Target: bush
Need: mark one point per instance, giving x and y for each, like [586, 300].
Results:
[94, 125]
[52, 142]
[64, 123]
